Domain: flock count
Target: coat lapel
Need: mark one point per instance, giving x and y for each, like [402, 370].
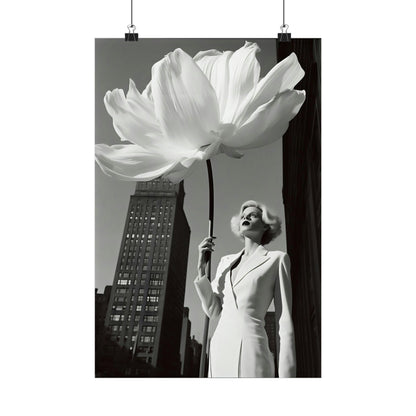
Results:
[257, 259]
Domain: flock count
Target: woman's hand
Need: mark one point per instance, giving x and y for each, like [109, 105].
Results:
[204, 248]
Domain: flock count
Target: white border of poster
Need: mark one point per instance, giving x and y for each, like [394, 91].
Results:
[368, 208]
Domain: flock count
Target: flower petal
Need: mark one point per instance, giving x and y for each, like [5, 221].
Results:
[147, 92]
[215, 66]
[277, 112]
[188, 163]
[244, 75]
[133, 119]
[231, 152]
[283, 76]
[140, 102]
[185, 102]
[233, 75]
[130, 163]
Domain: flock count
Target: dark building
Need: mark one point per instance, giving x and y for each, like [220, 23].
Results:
[101, 306]
[185, 349]
[270, 327]
[196, 348]
[302, 201]
[145, 312]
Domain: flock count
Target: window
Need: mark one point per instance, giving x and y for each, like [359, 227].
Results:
[119, 290]
[146, 338]
[151, 318]
[144, 350]
[151, 308]
[149, 328]
[138, 309]
[154, 291]
[139, 298]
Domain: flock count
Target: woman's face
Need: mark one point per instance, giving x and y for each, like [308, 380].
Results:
[251, 223]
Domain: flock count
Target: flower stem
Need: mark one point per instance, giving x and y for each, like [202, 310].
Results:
[208, 268]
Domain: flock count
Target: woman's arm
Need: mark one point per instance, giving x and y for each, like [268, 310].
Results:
[285, 332]
[210, 299]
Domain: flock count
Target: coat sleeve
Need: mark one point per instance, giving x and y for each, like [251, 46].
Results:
[208, 293]
[285, 334]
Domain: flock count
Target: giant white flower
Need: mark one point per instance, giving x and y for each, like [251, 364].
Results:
[195, 108]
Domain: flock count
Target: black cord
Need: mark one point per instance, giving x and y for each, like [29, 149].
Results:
[283, 13]
[130, 36]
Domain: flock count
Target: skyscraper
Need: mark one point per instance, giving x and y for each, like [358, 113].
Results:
[101, 306]
[144, 317]
[302, 200]
[185, 348]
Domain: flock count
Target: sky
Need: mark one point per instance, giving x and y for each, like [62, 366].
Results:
[257, 175]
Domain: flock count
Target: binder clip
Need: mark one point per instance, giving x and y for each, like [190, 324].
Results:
[284, 36]
[131, 36]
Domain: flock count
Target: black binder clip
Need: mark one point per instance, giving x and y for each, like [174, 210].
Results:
[131, 36]
[284, 36]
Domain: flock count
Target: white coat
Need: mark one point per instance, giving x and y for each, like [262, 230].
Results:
[239, 346]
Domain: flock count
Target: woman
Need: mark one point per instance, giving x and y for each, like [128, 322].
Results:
[240, 294]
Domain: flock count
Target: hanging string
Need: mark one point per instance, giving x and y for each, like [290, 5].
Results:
[283, 12]
[131, 36]
[284, 36]
[284, 26]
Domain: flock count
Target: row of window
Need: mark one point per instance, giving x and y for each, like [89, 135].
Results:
[145, 328]
[121, 317]
[154, 267]
[147, 308]
[143, 276]
[125, 291]
[144, 350]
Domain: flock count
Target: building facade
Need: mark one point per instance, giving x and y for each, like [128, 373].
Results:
[101, 306]
[302, 201]
[144, 317]
[185, 348]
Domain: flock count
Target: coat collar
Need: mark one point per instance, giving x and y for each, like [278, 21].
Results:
[254, 261]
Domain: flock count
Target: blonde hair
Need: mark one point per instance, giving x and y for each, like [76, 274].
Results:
[272, 220]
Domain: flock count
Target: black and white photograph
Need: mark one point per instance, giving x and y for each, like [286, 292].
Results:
[208, 207]
[208, 151]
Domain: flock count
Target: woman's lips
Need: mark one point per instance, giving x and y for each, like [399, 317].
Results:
[245, 223]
